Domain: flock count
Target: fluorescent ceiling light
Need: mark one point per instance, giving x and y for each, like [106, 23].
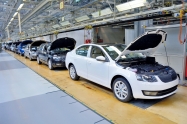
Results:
[131, 5]
[12, 19]
[20, 6]
[15, 14]
[82, 18]
[56, 26]
[65, 23]
[103, 12]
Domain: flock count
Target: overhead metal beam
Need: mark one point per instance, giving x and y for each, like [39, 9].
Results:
[37, 8]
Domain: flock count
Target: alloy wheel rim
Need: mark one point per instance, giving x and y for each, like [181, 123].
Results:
[72, 72]
[121, 90]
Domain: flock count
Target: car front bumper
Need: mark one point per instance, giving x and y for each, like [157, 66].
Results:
[58, 63]
[33, 56]
[161, 89]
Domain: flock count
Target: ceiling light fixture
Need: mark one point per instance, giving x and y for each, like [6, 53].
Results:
[82, 18]
[15, 14]
[56, 26]
[103, 12]
[131, 5]
[65, 23]
[20, 6]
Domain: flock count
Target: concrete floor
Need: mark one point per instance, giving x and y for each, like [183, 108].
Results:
[28, 98]
[172, 110]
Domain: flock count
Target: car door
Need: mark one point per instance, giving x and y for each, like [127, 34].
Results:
[98, 70]
[41, 54]
[80, 60]
[44, 54]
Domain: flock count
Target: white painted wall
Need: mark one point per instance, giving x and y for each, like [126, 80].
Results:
[77, 35]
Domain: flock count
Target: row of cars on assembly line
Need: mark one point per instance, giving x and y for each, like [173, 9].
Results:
[129, 71]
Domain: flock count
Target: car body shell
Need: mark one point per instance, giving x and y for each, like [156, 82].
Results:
[28, 51]
[44, 52]
[104, 73]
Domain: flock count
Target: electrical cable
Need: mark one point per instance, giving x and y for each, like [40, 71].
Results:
[166, 53]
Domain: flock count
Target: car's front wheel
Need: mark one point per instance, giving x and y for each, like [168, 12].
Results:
[73, 73]
[30, 57]
[122, 90]
[25, 56]
[50, 64]
[38, 60]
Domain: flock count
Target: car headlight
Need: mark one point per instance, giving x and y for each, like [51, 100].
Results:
[146, 78]
[56, 57]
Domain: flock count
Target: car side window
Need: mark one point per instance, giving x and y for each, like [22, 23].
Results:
[82, 51]
[96, 51]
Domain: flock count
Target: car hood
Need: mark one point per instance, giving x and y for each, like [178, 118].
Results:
[63, 42]
[147, 43]
[37, 43]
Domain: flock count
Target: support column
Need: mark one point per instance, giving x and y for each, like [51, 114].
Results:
[19, 21]
[8, 33]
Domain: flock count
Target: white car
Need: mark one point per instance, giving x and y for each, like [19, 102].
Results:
[129, 71]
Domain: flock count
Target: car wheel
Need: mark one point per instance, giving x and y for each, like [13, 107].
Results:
[122, 90]
[38, 60]
[25, 56]
[30, 58]
[73, 73]
[50, 65]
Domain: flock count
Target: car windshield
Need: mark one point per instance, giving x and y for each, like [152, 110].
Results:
[34, 48]
[60, 49]
[114, 50]
[132, 57]
[23, 46]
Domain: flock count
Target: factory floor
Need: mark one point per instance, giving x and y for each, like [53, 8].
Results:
[171, 110]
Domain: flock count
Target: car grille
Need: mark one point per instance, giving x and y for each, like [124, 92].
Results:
[167, 91]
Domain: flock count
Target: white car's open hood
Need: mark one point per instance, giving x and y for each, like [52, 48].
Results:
[147, 43]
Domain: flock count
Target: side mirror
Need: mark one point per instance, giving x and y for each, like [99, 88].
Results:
[101, 58]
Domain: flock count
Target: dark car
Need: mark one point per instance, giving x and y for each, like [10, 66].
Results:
[8, 45]
[31, 49]
[15, 47]
[22, 45]
[54, 54]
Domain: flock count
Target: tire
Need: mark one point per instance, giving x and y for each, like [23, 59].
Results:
[25, 56]
[38, 60]
[73, 73]
[122, 90]
[30, 58]
[50, 65]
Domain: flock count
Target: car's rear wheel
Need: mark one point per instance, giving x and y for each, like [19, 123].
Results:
[50, 64]
[73, 73]
[122, 90]
[38, 60]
